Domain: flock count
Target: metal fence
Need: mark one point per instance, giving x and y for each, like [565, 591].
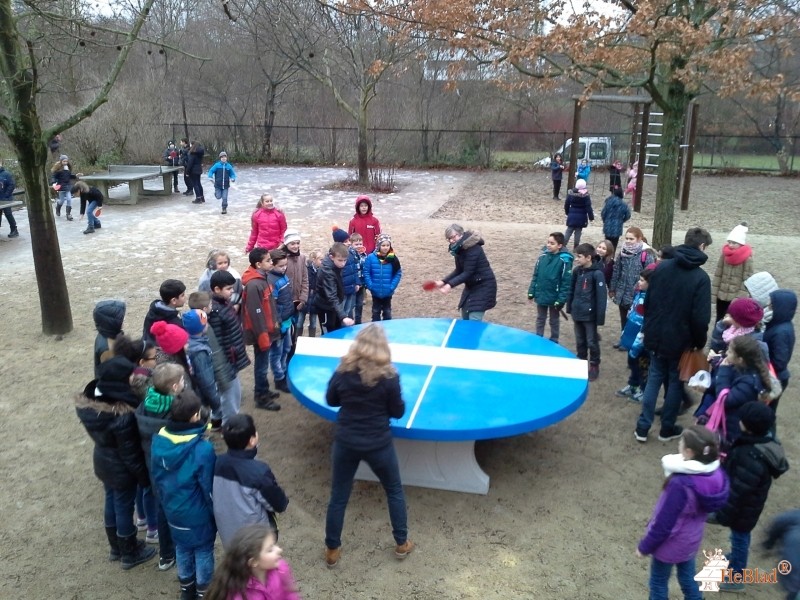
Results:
[461, 147]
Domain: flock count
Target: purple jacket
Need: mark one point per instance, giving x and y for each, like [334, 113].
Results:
[675, 530]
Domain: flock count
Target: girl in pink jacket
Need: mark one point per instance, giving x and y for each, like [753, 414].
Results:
[253, 568]
[268, 225]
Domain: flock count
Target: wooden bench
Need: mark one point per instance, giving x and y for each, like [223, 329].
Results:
[134, 176]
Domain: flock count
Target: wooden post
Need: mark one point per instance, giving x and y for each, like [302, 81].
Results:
[573, 151]
[688, 166]
[642, 158]
[636, 124]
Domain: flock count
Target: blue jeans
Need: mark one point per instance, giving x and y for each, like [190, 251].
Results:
[740, 548]
[146, 505]
[381, 306]
[118, 510]
[659, 579]
[65, 197]
[91, 220]
[472, 315]
[260, 370]
[349, 304]
[279, 353]
[221, 193]
[635, 378]
[661, 369]
[195, 564]
[383, 463]
[301, 319]
[230, 401]
[166, 546]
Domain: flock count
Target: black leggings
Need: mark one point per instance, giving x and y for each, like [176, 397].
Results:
[556, 188]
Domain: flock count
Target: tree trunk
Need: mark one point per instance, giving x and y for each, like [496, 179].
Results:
[269, 123]
[363, 162]
[50, 280]
[668, 172]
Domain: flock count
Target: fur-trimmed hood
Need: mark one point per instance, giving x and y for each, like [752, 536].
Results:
[472, 238]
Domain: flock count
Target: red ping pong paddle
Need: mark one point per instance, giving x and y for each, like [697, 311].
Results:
[429, 285]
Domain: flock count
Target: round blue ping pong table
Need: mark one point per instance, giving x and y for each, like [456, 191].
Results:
[462, 381]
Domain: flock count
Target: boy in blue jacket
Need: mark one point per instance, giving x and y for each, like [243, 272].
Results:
[195, 322]
[587, 305]
[779, 336]
[222, 174]
[382, 275]
[550, 284]
[182, 469]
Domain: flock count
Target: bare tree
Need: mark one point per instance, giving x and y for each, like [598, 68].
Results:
[22, 35]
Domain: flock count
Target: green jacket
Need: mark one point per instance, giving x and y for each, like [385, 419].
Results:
[552, 277]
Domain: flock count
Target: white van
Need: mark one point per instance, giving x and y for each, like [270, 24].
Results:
[600, 152]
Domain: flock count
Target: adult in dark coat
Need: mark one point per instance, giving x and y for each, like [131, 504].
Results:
[678, 309]
[194, 166]
[473, 270]
[183, 160]
[106, 410]
[578, 208]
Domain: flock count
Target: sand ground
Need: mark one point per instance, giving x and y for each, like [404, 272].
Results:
[567, 505]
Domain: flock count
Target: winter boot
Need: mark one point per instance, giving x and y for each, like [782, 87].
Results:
[113, 542]
[280, 384]
[58, 209]
[188, 589]
[89, 229]
[267, 401]
[134, 552]
[69, 213]
[14, 233]
[97, 224]
[312, 332]
[300, 331]
[201, 593]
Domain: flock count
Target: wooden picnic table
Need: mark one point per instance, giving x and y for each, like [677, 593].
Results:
[134, 176]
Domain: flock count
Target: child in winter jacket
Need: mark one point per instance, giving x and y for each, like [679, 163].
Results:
[222, 174]
[587, 305]
[195, 322]
[785, 530]
[365, 224]
[550, 283]
[108, 318]
[382, 275]
[62, 179]
[779, 336]
[182, 469]
[313, 264]
[358, 250]
[634, 255]
[584, 169]
[733, 268]
[578, 208]
[253, 569]
[632, 341]
[695, 487]
[614, 215]
[754, 460]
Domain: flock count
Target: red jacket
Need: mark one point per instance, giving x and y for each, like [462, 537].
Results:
[260, 319]
[367, 225]
[268, 228]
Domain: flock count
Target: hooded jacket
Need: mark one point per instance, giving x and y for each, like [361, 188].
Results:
[551, 279]
[245, 491]
[614, 214]
[227, 327]
[182, 468]
[743, 386]
[106, 410]
[752, 463]
[729, 278]
[760, 285]
[381, 276]
[675, 530]
[260, 319]
[367, 225]
[678, 304]
[159, 311]
[475, 272]
[267, 229]
[779, 333]
[588, 294]
[578, 208]
[194, 163]
[279, 585]
[7, 184]
[108, 317]
[297, 273]
[223, 174]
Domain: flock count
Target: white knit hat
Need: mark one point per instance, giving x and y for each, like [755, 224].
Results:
[291, 235]
[738, 234]
[580, 184]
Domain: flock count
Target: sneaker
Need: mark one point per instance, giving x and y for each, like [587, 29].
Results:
[638, 396]
[640, 435]
[14, 234]
[141, 524]
[594, 372]
[404, 550]
[628, 391]
[165, 564]
[151, 537]
[736, 588]
[188, 193]
[282, 385]
[666, 435]
[197, 201]
[332, 556]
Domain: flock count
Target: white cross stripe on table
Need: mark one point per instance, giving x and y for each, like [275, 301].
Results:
[456, 358]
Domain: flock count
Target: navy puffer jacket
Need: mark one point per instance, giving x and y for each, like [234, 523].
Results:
[578, 208]
[475, 272]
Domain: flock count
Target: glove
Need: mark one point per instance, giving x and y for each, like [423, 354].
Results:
[557, 305]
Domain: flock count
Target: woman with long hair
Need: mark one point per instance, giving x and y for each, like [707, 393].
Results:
[366, 387]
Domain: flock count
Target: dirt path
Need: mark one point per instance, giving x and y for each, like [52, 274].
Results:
[566, 506]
